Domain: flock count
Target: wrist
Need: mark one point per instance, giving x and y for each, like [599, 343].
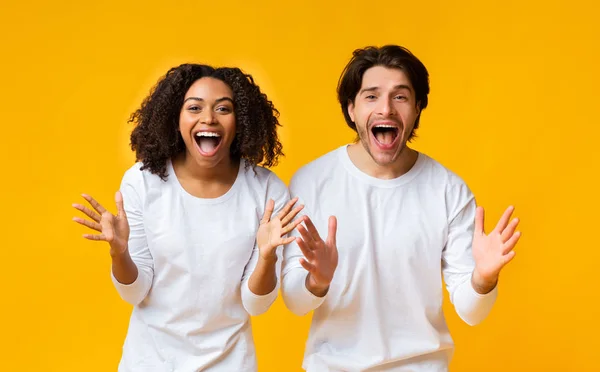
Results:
[483, 283]
[267, 253]
[318, 289]
[268, 258]
[119, 253]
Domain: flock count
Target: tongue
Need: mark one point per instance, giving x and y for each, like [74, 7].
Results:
[385, 137]
[208, 144]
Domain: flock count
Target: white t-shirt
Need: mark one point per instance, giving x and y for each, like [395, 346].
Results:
[395, 238]
[194, 256]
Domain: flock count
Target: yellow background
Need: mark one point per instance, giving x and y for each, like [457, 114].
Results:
[513, 110]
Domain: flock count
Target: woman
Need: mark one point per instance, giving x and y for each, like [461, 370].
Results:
[194, 243]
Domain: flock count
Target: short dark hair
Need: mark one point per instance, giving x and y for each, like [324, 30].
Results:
[390, 56]
[156, 137]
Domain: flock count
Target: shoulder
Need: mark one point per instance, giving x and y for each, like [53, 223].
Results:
[319, 168]
[265, 180]
[439, 173]
[138, 180]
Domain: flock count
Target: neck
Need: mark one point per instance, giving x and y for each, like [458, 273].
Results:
[223, 171]
[363, 161]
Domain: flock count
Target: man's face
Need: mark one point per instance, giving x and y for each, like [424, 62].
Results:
[384, 111]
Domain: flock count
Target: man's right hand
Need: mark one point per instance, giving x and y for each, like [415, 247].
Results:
[321, 257]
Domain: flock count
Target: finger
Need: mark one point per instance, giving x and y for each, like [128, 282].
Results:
[308, 240]
[100, 209]
[120, 209]
[508, 257]
[510, 230]
[312, 229]
[268, 211]
[291, 226]
[479, 221]
[306, 251]
[287, 208]
[308, 266]
[510, 244]
[88, 212]
[504, 219]
[285, 241]
[291, 215]
[331, 240]
[100, 237]
[92, 225]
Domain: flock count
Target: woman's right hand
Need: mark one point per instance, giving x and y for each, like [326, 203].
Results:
[113, 229]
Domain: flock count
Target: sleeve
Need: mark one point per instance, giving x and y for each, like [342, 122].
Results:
[253, 303]
[131, 188]
[297, 298]
[457, 258]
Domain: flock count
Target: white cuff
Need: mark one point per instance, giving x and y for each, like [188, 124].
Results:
[257, 304]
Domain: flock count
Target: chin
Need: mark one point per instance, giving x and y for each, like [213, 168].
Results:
[383, 158]
[209, 162]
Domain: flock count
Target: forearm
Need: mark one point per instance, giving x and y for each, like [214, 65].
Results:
[263, 279]
[260, 290]
[471, 305]
[124, 269]
[296, 295]
[132, 281]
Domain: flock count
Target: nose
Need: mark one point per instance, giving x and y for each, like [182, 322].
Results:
[208, 117]
[385, 107]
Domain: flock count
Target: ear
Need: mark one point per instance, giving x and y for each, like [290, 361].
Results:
[418, 108]
[351, 110]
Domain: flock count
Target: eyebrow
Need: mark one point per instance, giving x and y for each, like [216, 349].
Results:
[202, 100]
[397, 87]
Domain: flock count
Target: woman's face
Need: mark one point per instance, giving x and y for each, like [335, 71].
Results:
[207, 121]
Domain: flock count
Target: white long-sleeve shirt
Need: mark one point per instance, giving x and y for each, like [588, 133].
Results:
[194, 257]
[395, 240]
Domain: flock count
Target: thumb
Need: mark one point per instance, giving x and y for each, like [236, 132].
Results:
[332, 231]
[268, 211]
[120, 208]
[479, 221]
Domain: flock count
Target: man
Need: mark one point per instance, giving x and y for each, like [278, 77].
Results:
[404, 220]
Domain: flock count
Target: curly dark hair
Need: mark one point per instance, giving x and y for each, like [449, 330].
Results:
[156, 137]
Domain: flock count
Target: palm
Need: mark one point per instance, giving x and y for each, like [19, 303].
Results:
[325, 260]
[269, 234]
[321, 257]
[493, 251]
[116, 231]
[488, 252]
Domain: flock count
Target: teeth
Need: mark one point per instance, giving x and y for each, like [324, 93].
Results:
[207, 134]
[384, 126]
